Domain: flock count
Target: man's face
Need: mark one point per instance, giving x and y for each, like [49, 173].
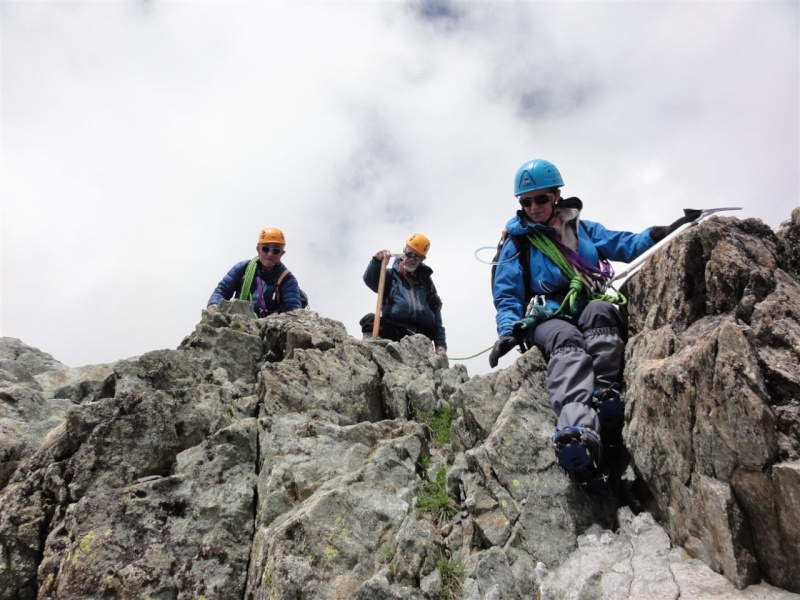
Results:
[538, 205]
[270, 254]
[411, 259]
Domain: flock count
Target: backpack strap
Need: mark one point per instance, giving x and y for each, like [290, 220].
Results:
[281, 277]
[524, 250]
[523, 246]
[433, 299]
[247, 280]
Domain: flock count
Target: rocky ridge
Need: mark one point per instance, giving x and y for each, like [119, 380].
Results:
[282, 458]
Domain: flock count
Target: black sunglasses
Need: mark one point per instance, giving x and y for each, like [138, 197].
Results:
[414, 255]
[539, 200]
[268, 249]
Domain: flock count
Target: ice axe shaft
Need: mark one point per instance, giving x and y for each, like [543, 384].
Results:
[376, 325]
[631, 267]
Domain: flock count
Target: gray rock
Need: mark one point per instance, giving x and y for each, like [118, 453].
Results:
[281, 458]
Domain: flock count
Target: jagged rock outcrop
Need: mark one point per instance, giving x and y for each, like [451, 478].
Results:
[281, 458]
[713, 376]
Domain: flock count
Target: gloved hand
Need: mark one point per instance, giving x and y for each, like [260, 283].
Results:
[520, 327]
[659, 232]
[501, 347]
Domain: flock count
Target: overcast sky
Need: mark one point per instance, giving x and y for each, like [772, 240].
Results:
[145, 144]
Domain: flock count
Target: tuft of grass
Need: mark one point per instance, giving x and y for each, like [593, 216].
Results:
[434, 499]
[452, 572]
[424, 463]
[439, 422]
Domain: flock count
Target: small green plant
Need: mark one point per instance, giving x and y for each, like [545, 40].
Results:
[439, 422]
[434, 499]
[424, 463]
[452, 572]
[387, 554]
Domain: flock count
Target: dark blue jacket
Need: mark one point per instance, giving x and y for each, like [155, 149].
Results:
[406, 298]
[262, 292]
[594, 242]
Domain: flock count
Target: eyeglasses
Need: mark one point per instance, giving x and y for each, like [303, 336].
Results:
[539, 200]
[414, 255]
[268, 249]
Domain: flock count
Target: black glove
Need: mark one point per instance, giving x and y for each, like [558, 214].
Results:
[571, 202]
[501, 347]
[659, 232]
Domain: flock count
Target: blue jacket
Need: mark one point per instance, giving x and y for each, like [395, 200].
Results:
[262, 292]
[406, 299]
[594, 242]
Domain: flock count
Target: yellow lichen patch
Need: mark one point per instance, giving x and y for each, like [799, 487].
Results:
[338, 529]
[310, 559]
[86, 542]
[48, 581]
[515, 482]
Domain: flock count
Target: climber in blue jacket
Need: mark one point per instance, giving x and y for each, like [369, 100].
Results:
[410, 302]
[551, 291]
[264, 281]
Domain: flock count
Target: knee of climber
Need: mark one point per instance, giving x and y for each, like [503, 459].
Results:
[599, 314]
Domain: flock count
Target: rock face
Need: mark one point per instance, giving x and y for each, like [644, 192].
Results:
[281, 458]
[713, 379]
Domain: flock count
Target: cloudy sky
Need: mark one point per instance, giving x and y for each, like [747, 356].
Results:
[145, 144]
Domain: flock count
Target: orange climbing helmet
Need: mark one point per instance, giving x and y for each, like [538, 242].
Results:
[419, 243]
[271, 235]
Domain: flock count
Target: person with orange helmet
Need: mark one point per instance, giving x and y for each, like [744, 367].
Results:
[264, 281]
[410, 302]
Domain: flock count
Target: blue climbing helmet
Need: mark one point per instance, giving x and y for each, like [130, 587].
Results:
[536, 174]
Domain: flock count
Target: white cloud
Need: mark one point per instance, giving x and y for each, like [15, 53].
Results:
[145, 144]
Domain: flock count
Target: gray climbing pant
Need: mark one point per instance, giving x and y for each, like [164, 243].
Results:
[580, 359]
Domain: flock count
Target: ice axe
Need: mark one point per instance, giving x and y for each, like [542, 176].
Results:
[633, 266]
[376, 325]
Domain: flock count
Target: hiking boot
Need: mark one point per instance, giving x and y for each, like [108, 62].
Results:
[577, 449]
[611, 412]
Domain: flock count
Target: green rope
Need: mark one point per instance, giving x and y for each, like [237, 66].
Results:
[473, 356]
[576, 286]
[546, 246]
[247, 281]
